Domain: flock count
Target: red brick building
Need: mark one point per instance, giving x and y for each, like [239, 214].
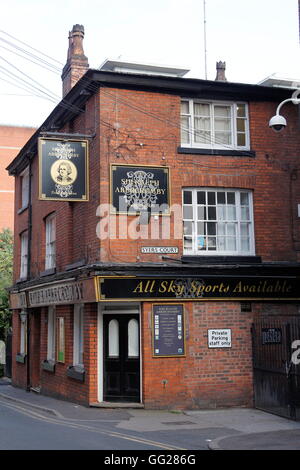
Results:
[12, 139]
[176, 226]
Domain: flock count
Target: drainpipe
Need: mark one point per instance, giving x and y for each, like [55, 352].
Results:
[28, 385]
[29, 229]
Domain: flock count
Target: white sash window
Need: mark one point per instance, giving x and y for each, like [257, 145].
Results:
[25, 188]
[24, 255]
[50, 258]
[218, 221]
[218, 125]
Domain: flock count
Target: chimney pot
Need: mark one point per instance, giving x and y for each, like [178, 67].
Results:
[221, 67]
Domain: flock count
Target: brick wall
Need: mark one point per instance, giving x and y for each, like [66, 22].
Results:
[272, 175]
[12, 140]
[19, 371]
[205, 377]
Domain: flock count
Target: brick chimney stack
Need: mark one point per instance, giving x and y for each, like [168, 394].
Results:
[221, 67]
[77, 62]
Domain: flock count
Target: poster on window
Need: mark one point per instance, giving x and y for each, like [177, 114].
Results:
[63, 170]
[139, 189]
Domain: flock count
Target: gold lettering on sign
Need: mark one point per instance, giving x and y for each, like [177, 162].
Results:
[56, 294]
[145, 287]
[263, 287]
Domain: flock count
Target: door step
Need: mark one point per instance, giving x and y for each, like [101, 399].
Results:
[35, 389]
[110, 404]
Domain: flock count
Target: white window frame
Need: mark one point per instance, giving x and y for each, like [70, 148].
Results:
[24, 255]
[238, 221]
[25, 188]
[78, 335]
[51, 334]
[233, 119]
[50, 249]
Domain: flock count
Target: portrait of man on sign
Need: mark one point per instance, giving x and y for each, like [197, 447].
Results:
[63, 172]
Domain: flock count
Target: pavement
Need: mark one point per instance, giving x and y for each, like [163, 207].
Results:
[229, 429]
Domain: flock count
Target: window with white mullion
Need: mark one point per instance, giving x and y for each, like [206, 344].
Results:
[223, 129]
[241, 125]
[217, 221]
[202, 123]
[246, 215]
[185, 122]
[188, 221]
[24, 255]
[24, 188]
[50, 258]
[219, 125]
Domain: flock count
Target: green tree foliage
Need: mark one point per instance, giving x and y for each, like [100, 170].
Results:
[6, 269]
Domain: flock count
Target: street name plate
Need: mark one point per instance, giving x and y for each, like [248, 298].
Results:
[159, 249]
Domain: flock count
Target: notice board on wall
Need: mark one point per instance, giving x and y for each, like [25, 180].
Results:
[168, 330]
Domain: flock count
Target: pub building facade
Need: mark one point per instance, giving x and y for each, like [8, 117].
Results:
[161, 223]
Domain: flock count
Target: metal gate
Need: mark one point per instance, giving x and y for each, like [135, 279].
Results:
[276, 364]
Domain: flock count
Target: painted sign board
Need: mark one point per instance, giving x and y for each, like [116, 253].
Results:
[63, 170]
[56, 293]
[196, 288]
[140, 189]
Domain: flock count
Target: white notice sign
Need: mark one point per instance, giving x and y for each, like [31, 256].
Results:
[219, 338]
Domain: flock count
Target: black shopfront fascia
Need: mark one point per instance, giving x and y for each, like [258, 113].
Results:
[219, 279]
[201, 283]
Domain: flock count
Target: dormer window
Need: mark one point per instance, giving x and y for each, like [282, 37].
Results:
[214, 125]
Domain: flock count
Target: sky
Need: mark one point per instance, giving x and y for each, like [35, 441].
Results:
[256, 39]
